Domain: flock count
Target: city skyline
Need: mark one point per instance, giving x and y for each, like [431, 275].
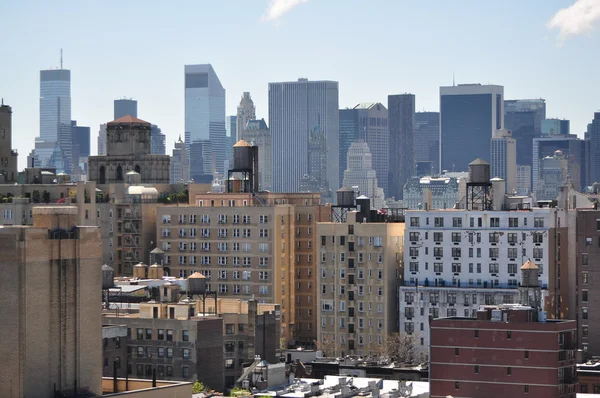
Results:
[96, 83]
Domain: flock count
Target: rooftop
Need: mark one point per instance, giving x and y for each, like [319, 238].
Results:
[128, 120]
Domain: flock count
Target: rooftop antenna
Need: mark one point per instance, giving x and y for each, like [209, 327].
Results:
[453, 80]
[61, 58]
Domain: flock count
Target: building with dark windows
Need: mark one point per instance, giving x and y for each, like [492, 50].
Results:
[594, 151]
[523, 118]
[128, 156]
[507, 351]
[552, 127]
[369, 122]
[158, 145]
[295, 110]
[125, 107]
[8, 156]
[205, 121]
[573, 149]
[401, 126]
[469, 116]
[427, 141]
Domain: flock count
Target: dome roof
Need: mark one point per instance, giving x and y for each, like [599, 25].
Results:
[529, 265]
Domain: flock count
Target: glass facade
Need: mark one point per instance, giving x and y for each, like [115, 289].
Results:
[427, 142]
[205, 120]
[125, 107]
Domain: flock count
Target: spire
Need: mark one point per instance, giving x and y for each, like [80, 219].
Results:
[61, 58]
[453, 80]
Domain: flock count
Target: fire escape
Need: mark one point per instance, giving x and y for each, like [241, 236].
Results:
[130, 227]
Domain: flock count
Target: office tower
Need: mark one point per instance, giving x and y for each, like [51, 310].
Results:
[80, 136]
[295, 109]
[257, 133]
[469, 116]
[204, 121]
[50, 306]
[180, 163]
[401, 126]
[360, 173]
[552, 127]
[158, 144]
[553, 174]
[128, 158]
[523, 180]
[456, 261]
[8, 156]
[231, 138]
[573, 149]
[594, 151]
[369, 122]
[427, 140]
[500, 354]
[524, 119]
[125, 107]
[54, 145]
[357, 285]
[429, 193]
[503, 154]
[245, 111]
[316, 178]
[102, 140]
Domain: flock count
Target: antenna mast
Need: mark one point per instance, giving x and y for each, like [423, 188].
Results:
[61, 58]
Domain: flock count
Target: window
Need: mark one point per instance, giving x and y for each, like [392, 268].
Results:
[456, 252]
[438, 252]
[585, 331]
[538, 252]
[148, 334]
[438, 221]
[584, 313]
[476, 369]
[455, 267]
[512, 252]
[438, 267]
[185, 372]
[584, 295]
[413, 236]
[264, 219]
[509, 335]
[538, 222]
[526, 388]
[413, 251]
[512, 238]
[494, 222]
[513, 222]
[414, 221]
[508, 371]
[456, 237]
[494, 252]
[538, 237]
[512, 268]
[414, 266]
[475, 332]
[494, 268]
[185, 353]
[169, 335]
[494, 237]
[457, 222]
[140, 334]
[438, 237]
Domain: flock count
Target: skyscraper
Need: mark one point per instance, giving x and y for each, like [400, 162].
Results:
[594, 137]
[158, 145]
[360, 173]
[80, 138]
[102, 140]
[257, 133]
[205, 120]
[54, 145]
[180, 163]
[401, 122]
[469, 116]
[551, 127]
[231, 138]
[369, 122]
[427, 139]
[295, 109]
[574, 151]
[503, 154]
[125, 107]
[524, 117]
[245, 111]
[8, 157]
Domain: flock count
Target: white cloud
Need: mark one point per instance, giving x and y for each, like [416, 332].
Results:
[277, 8]
[579, 18]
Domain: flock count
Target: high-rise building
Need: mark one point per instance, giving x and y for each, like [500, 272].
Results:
[369, 122]
[427, 140]
[360, 173]
[158, 141]
[81, 138]
[594, 137]
[102, 140]
[469, 116]
[8, 157]
[257, 133]
[552, 127]
[231, 139]
[50, 306]
[401, 126]
[506, 351]
[204, 121]
[180, 163]
[357, 283]
[125, 107]
[523, 118]
[295, 109]
[503, 155]
[429, 193]
[523, 180]
[316, 178]
[54, 145]
[574, 149]
[553, 174]
[245, 111]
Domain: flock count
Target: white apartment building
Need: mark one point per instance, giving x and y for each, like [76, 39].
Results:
[428, 193]
[454, 261]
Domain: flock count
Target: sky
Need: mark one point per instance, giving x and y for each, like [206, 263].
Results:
[138, 48]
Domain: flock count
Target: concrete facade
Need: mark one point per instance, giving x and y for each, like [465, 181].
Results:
[50, 305]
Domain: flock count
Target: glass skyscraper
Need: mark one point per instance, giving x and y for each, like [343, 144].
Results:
[54, 145]
[295, 110]
[469, 116]
[204, 121]
[125, 107]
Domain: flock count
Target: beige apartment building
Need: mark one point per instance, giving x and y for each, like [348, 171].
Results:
[50, 305]
[250, 245]
[360, 270]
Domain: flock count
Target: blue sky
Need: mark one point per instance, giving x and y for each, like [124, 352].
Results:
[138, 48]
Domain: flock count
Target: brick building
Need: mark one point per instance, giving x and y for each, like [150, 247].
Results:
[505, 352]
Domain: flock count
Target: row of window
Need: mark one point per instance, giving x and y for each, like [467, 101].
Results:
[160, 352]
[451, 298]
[221, 260]
[220, 232]
[161, 370]
[494, 222]
[341, 338]
[493, 268]
[360, 273]
[475, 237]
[360, 290]
[221, 246]
[457, 282]
[329, 306]
[222, 219]
[376, 241]
[360, 257]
